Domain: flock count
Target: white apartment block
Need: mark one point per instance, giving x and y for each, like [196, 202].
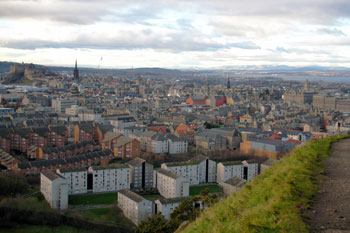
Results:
[250, 169]
[199, 169]
[206, 169]
[176, 145]
[110, 178]
[54, 188]
[227, 170]
[166, 206]
[159, 144]
[76, 179]
[171, 185]
[188, 170]
[141, 174]
[134, 207]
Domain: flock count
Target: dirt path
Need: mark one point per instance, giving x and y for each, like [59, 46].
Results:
[331, 211]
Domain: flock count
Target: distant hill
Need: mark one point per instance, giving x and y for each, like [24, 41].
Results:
[283, 68]
[5, 66]
[26, 74]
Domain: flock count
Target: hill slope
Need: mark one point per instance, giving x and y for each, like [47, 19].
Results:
[275, 200]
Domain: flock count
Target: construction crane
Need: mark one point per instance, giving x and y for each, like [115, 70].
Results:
[99, 63]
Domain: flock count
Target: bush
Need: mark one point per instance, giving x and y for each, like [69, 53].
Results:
[12, 184]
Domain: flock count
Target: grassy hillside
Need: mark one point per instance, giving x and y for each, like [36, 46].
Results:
[273, 202]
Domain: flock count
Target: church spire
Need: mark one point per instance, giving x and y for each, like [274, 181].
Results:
[76, 71]
[228, 83]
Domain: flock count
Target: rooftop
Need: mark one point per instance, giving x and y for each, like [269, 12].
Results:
[133, 196]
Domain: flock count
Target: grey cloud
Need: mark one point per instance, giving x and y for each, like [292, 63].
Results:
[87, 11]
[331, 31]
[128, 40]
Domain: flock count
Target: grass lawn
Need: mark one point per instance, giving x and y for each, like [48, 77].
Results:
[112, 215]
[41, 229]
[104, 214]
[93, 199]
[274, 201]
[196, 190]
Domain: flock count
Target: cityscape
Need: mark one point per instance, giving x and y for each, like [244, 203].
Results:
[149, 132]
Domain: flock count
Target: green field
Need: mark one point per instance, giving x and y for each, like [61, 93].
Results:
[41, 229]
[111, 215]
[196, 190]
[104, 214]
[275, 200]
[93, 199]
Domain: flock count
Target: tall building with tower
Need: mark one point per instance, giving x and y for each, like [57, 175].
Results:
[76, 71]
[228, 83]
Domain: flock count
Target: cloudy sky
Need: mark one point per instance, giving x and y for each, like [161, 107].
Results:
[176, 33]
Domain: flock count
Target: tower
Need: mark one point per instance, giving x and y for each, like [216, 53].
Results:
[208, 88]
[228, 83]
[76, 71]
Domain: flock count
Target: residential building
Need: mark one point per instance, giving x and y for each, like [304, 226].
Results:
[127, 148]
[141, 174]
[123, 121]
[76, 179]
[60, 105]
[227, 170]
[54, 188]
[199, 169]
[159, 144]
[188, 170]
[113, 177]
[134, 207]
[250, 169]
[165, 206]
[171, 185]
[176, 145]
[232, 185]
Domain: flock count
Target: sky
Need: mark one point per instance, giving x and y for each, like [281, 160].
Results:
[176, 33]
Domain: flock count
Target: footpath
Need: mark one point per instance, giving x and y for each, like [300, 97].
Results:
[330, 213]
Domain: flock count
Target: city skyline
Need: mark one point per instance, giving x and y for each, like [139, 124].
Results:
[176, 34]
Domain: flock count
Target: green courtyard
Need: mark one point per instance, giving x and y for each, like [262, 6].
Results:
[196, 190]
[93, 199]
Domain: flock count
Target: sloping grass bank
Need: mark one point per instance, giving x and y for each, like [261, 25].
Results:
[273, 202]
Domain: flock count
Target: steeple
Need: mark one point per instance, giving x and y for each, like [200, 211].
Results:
[76, 71]
[228, 83]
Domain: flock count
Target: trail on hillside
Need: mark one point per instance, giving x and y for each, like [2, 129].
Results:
[330, 212]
